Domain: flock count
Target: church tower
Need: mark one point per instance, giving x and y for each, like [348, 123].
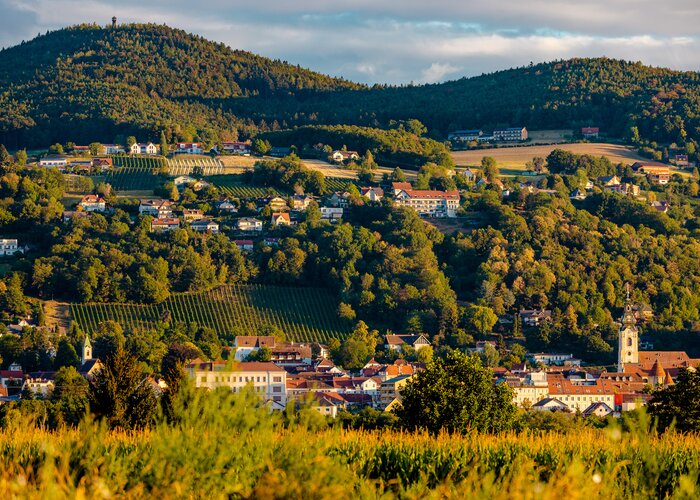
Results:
[628, 338]
[87, 349]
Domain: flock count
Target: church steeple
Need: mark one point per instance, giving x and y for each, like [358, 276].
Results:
[87, 349]
[628, 338]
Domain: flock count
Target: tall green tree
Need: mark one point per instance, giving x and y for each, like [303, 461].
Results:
[678, 404]
[121, 394]
[456, 394]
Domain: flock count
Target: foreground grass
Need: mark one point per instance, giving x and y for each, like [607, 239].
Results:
[225, 447]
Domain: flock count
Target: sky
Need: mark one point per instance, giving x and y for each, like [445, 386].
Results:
[400, 41]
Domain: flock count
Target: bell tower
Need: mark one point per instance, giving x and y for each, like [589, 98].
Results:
[628, 337]
[87, 349]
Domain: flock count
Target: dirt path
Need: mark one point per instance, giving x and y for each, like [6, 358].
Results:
[57, 314]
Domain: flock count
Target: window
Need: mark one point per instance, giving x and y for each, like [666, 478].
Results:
[257, 379]
[277, 389]
[204, 378]
[277, 379]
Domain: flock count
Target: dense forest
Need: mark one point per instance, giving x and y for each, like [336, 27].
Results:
[96, 83]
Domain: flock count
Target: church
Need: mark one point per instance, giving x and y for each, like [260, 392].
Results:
[638, 369]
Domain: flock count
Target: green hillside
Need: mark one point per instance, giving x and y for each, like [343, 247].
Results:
[85, 80]
[303, 314]
[91, 83]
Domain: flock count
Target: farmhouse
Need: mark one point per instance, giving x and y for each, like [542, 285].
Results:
[341, 156]
[9, 247]
[625, 188]
[239, 148]
[659, 206]
[590, 132]
[165, 225]
[102, 163]
[93, 203]
[429, 203]
[511, 134]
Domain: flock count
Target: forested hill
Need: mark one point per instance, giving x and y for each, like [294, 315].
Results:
[133, 78]
[663, 104]
[90, 83]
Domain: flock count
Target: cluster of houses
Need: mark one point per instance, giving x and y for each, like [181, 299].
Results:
[508, 134]
[301, 372]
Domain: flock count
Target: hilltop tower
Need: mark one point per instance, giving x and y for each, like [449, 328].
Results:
[628, 338]
[87, 349]
[114, 22]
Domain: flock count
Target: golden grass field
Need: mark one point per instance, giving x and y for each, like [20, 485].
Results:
[516, 157]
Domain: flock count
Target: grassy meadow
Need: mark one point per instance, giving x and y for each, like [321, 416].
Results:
[222, 446]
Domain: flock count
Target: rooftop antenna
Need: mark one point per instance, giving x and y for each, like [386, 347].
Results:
[114, 22]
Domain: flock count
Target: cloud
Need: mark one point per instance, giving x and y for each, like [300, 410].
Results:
[437, 72]
[384, 41]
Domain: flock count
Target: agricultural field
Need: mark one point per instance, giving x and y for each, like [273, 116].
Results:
[133, 179]
[338, 183]
[233, 185]
[186, 165]
[304, 314]
[138, 161]
[511, 160]
[224, 445]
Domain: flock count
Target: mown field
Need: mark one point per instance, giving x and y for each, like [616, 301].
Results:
[304, 314]
[512, 160]
[222, 446]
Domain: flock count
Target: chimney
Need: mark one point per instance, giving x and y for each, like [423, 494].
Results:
[114, 22]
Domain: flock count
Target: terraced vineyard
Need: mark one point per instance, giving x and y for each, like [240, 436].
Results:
[338, 183]
[233, 185]
[135, 173]
[186, 166]
[304, 314]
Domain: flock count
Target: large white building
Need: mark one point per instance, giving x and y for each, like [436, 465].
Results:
[9, 247]
[265, 378]
[429, 203]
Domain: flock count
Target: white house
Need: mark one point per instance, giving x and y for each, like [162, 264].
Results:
[281, 219]
[244, 245]
[398, 342]
[264, 378]
[344, 155]
[144, 148]
[429, 203]
[53, 161]
[183, 181]
[372, 193]
[165, 225]
[93, 203]
[156, 208]
[249, 224]
[9, 247]
[205, 226]
[41, 384]
[192, 148]
[331, 213]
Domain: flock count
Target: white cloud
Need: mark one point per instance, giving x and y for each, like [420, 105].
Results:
[437, 72]
[390, 42]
